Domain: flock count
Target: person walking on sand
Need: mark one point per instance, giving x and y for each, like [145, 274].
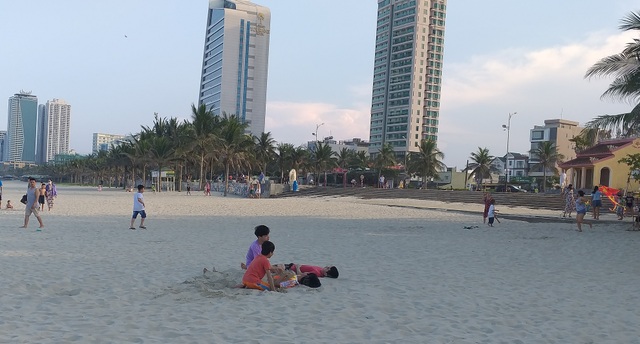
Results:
[569, 201]
[188, 188]
[138, 208]
[581, 210]
[43, 193]
[486, 200]
[33, 193]
[491, 213]
[52, 193]
[207, 189]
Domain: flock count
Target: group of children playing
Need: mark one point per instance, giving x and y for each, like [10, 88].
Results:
[278, 276]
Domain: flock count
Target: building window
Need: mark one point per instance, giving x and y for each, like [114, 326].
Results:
[537, 135]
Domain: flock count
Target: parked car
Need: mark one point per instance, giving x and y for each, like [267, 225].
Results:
[510, 188]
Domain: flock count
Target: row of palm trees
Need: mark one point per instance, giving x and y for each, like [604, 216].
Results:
[208, 145]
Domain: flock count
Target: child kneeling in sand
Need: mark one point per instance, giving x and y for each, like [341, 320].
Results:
[260, 267]
[9, 205]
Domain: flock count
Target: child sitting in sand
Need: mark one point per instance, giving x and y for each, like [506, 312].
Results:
[9, 205]
[262, 232]
[259, 268]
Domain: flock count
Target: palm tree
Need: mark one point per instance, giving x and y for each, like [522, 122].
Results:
[204, 124]
[588, 138]
[428, 161]
[344, 157]
[283, 158]
[386, 157]
[161, 153]
[481, 165]
[625, 68]
[233, 146]
[264, 149]
[301, 159]
[361, 160]
[323, 158]
[547, 156]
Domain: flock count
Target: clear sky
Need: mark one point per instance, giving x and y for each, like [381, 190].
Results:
[500, 56]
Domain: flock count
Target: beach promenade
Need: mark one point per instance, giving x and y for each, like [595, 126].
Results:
[410, 271]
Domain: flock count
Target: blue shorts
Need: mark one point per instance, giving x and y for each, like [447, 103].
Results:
[142, 213]
[583, 212]
[597, 203]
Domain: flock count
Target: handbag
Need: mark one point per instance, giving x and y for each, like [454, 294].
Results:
[23, 200]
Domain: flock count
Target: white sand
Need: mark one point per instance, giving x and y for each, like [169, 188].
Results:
[406, 275]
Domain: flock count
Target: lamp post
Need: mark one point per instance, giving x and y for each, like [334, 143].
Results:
[507, 127]
[315, 148]
[406, 152]
[316, 133]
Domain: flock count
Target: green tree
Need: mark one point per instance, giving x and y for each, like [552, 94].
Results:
[323, 159]
[344, 157]
[427, 162]
[547, 156]
[283, 158]
[204, 124]
[233, 146]
[386, 157]
[633, 161]
[625, 68]
[264, 149]
[481, 165]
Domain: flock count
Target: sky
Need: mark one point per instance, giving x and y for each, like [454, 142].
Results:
[119, 62]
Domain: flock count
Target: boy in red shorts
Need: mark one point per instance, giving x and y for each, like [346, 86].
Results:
[260, 267]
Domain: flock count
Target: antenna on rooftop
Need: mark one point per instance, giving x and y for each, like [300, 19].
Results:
[561, 111]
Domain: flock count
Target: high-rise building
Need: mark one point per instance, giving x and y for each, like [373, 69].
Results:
[407, 74]
[235, 61]
[103, 142]
[53, 129]
[21, 128]
[559, 132]
[3, 141]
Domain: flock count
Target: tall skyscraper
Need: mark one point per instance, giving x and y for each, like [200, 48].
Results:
[235, 61]
[3, 141]
[53, 129]
[407, 74]
[21, 128]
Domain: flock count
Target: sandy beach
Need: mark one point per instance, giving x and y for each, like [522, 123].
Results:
[406, 274]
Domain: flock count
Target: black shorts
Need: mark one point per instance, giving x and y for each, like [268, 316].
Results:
[40, 199]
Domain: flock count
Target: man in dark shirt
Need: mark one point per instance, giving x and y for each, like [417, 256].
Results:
[629, 201]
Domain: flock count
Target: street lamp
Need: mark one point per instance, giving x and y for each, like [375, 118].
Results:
[316, 133]
[315, 148]
[406, 137]
[507, 127]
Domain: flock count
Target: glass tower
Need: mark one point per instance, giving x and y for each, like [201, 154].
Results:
[235, 61]
[407, 74]
[22, 119]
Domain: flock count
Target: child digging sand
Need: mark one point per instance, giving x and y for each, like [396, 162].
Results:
[259, 268]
